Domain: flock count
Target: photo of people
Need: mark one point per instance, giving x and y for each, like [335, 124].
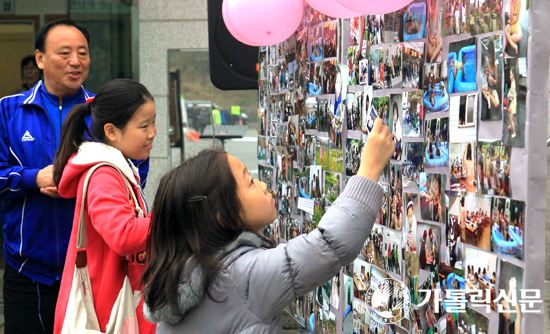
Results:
[311, 113]
[507, 227]
[325, 110]
[412, 64]
[315, 87]
[431, 309]
[384, 213]
[271, 157]
[265, 175]
[513, 130]
[261, 149]
[353, 111]
[395, 124]
[410, 223]
[377, 65]
[492, 65]
[493, 168]
[361, 278]
[412, 113]
[511, 281]
[381, 105]
[374, 31]
[353, 156]
[396, 202]
[411, 275]
[355, 30]
[475, 219]
[455, 13]
[363, 71]
[436, 96]
[481, 268]
[463, 66]
[329, 76]
[432, 197]
[463, 117]
[484, 16]
[428, 240]
[315, 181]
[455, 235]
[336, 158]
[353, 65]
[330, 38]
[273, 78]
[516, 20]
[392, 253]
[315, 42]
[332, 186]
[414, 21]
[437, 144]
[451, 278]
[392, 66]
[283, 75]
[433, 30]
[360, 313]
[462, 165]
[393, 26]
[322, 152]
[413, 164]
[368, 113]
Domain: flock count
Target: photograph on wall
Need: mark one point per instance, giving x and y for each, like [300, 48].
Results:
[493, 168]
[329, 322]
[325, 110]
[392, 66]
[286, 199]
[396, 203]
[301, 41]
[477, 220]
[484, 16]
[374, 29]
[332, 187]
[412, 113]
[381, 105]
[413, 164]
[510, 283]
[393, 26]
[455, 15]
[392, 252]
[428, 240]
[414, 21]
[432, 197]
[262, 119]
[336, 157]
[431, 308]
[411, 275]
[296, 309]
[395, 124]
[437, 144]
[353, 156]
[481, 268]
[412, 64]
[301, 181]
[492, 69]
[355, 30]
[293, 141]
[384, 213]
[329, 76]
[368, 113]
[462, 167]
[436, 96]
[375, 247]
[451, 279]
[410, 224]
[353, 65]
[330, 38]
[311, 113]
[335, 293]
[283, 75]
[463, 117]
[347, 322]
[455, 235]
[377, 64]
[315, 42]
[271, 154]
[315, 87]
[308, 150]
[261, 149]
[507, 227]
[463, 66]
[273, 78]
[315, 181]
[514, 107]
[322, 152]
[352, 111]
[360, 313]
[516, 20]
[361, 278]
[433, 30]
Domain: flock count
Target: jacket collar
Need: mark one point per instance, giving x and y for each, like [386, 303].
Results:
[33, 96]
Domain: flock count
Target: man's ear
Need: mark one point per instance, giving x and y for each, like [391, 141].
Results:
[39, 59]
[111, 131]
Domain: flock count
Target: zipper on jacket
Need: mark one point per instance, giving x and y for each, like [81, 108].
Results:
[60, 122]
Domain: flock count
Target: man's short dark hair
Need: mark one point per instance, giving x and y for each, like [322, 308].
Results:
[43, 32]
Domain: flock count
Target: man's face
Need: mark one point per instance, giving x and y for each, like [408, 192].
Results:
[65, 60]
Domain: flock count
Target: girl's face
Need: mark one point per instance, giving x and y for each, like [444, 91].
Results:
[135, 140]
[258, 205]
[410, 215]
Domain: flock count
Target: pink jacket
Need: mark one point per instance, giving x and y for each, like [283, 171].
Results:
[112, 228]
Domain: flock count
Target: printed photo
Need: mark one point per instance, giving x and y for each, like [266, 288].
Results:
[492, 65]
[315, 43]
[392, 66]
[432, 197]
[322, 152]
[369, 114]
[308, 151]
[428, 240]
[437, 142]
[325, 110]
[376, 79]
[374, 29]
[433, 30]
[353, 156]
[384, 213]
[315, 182]
[329, 76]
[493, 168]
[455, 14]
[361, 278]
[330, 39]
[455, 235]
[511, 281]
[463, 66]
[462, 166]
[410, 223]
[301, 182]
[414, 21]
[436, 96]
[360, 313]
[516, 20]
[475, 216]
[395, 124]
[353, 112]
[412, 113]
[413, 164]
[513, 130]
[315, 87]
[411, 275]
[412, 64]
[332, 186]
[311, 113]
[463, 117]
[336, 158]
[481, 268]
[507, 227]
[396, 203]
[353, 65]
[261, 149]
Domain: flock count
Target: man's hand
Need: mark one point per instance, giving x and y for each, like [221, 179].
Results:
[44, 181]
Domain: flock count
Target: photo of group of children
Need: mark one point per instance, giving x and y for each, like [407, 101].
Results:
[447, 218]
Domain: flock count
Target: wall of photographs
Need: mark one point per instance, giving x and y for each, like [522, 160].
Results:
[449, 77]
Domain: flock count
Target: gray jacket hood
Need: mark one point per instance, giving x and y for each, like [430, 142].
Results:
[191, 290]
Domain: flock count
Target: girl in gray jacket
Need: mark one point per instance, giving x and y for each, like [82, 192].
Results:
[209, 271]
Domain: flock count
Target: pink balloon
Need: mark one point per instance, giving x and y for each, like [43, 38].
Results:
[229, 24]
[332, 9]
[264, 22]
[374, 7]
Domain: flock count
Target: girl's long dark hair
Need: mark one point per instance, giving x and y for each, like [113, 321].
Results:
[116, 102]
[181, 230]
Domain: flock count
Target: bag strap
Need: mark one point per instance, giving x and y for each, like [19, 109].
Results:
[81, 241]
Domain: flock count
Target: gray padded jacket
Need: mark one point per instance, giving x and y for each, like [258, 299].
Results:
[259, 282]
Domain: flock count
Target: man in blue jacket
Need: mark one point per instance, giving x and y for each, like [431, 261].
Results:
[36, 221]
